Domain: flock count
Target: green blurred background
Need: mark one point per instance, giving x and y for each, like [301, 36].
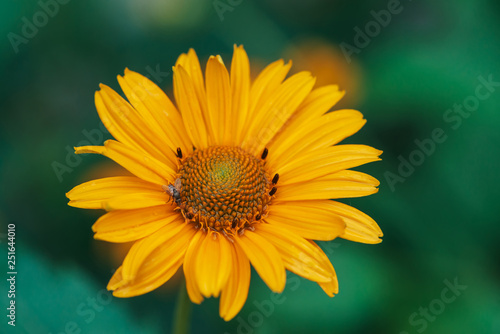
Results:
[441, 218]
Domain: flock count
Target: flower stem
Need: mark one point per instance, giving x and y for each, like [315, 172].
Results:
[182, 311]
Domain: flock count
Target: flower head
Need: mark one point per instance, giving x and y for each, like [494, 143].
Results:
[236, 173]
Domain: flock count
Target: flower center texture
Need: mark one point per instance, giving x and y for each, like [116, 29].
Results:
[224, 189]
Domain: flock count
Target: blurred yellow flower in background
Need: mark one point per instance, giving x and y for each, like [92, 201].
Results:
[328, 64]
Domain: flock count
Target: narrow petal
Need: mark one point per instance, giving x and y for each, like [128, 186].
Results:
[143, 248]
[116, 280]
[326, 214]
[213, 265]
[321, 132]
[265, 259]
[148, 280]
[298, 255]
[189, 267]
[135, 201]
[153, 260]
[359, 226]
[326, 161]
[218, 101]
[131, 225]
[331, 288]
[328, 139]
[307, 219]
[190, 107]
[140, 164]
[316, 104]
[240, 89]
[344, 184]
[191, 64]
[158, 112]
[93, 194]
[128, 127]
[261, 90]
[266, 84]
[235, 293]
[269, 118]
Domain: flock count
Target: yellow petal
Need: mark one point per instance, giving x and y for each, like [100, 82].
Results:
[298, 255]
[331, 288]
[130, 225]
[125, 289]
[189, 267]
[143, 248]
[154, 260]
[93, 194]
[140, 164]
[321, 132]
[307, 219]
[269, 119]
[317, 103]
[266, 84]
[218, 92]
[116, 280]
[344, 184]
[332, 138]
[158, 112]
[213, 265]
[146, 281]
[235, 292]
[126, 125]
[265, 259]
[240, 88]
[190, 107]
[359, 226]
[191, 64]
[326, 161]
[135, 201]
[325, 220]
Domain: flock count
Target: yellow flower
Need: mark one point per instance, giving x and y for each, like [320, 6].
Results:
[237, 173]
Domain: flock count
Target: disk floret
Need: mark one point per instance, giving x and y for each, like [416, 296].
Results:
[224, 188]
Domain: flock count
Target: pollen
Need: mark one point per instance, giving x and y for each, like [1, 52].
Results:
[224, 189]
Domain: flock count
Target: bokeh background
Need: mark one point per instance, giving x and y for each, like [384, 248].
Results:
[440, 217]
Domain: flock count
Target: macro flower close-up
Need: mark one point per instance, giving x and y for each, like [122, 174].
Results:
[250, 167]
[235, 173]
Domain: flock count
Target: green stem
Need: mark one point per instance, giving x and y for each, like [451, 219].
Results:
[182, 311]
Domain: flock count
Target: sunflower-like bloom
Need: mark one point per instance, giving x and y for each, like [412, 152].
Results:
[235, 173]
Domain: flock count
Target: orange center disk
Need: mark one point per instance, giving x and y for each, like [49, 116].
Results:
[224, 188]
